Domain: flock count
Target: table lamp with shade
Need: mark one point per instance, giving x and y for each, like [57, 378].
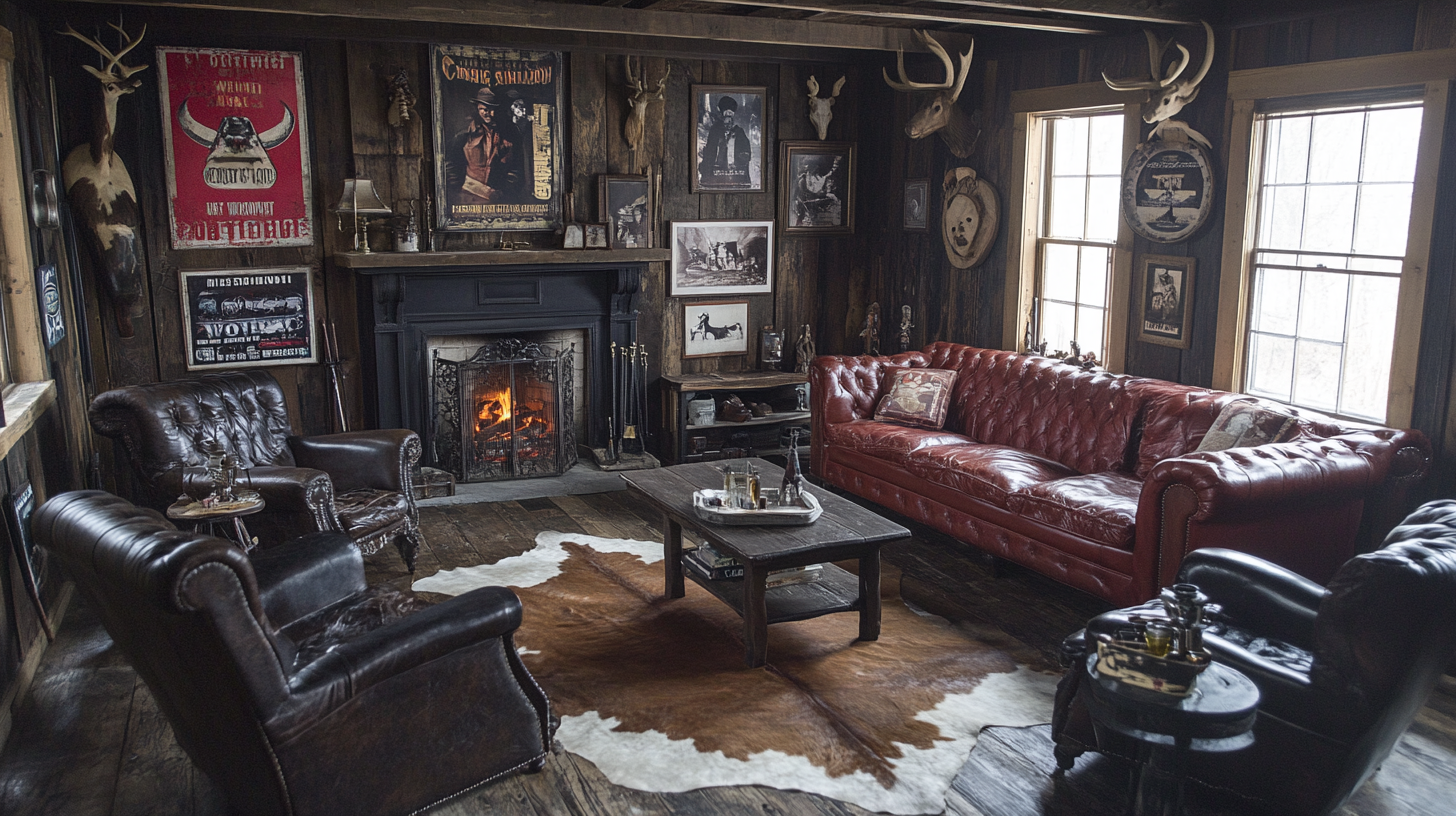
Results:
[362, 202]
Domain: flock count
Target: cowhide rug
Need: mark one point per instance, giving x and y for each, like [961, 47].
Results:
[655, 691]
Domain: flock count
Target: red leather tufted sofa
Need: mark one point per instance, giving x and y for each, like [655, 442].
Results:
[1093, 479]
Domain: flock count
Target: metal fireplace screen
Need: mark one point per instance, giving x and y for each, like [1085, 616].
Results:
[506, 413]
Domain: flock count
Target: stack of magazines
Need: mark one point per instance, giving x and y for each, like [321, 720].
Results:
[707, 562]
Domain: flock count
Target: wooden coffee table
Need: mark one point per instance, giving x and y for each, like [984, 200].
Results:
[844, 531]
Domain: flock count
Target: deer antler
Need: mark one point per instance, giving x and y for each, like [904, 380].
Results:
[813, 86]
[954, 80]
[1156, 50]
[114, 69]
[837, 86]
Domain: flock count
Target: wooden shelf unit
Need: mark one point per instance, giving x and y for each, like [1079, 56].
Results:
[774, 387]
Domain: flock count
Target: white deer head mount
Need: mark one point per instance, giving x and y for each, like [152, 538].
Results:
[1167, 95]
[638, 102]
[941, 115]
[821, 109]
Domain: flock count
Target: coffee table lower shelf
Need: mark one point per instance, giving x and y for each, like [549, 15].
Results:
[835, 590]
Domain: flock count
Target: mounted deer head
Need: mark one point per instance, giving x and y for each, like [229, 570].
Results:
[102, 195]
[821, 110]
[638, 102]
[1166, 94]
[941, 115]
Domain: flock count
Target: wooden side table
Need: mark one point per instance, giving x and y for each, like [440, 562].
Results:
[245, 503]
[1217, 716]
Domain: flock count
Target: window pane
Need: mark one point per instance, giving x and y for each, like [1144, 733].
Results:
[1276, 300]
[1089, 330]
[1371, 341]
[1322, 306]
[1068, 210]
[1105, 145]
[1283, 227]
[1104, 213]
[1390, 144]
[1335, 143]
[1069, 146]
[1329, 221]
[1317, 374]
[1092, 289]
[1384, 219]
[1058, 322]
[1290, 151]
[1271, 365]
[1059, 273]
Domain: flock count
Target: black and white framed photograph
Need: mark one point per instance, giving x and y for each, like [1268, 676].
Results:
[816, 187]
[728, 139]
[721, 258]
[1165, 294]
[248, 317]
[596, 236]
[715, 328]
[917, 205]
[625, 203]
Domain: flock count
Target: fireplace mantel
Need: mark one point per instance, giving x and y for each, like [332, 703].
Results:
[405, 298]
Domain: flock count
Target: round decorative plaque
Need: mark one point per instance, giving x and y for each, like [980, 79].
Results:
[1167, 190]
[969, 221]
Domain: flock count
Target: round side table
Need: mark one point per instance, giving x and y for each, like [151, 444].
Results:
[245, 503]
[1217, 716]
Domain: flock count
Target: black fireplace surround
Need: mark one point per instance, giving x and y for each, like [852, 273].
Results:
[402, 306]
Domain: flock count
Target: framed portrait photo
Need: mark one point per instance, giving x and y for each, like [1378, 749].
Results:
[1165, 301]
[625, 204]
[248, 317]
[721, 258]
[715, 328]
[596, 236]
[816, 187]
[917, 205]
[728, 139]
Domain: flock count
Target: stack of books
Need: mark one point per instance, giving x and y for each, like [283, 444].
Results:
[706, 562]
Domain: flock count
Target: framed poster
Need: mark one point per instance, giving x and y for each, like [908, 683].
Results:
[235, 127]
[625, 203]
[1167, 190]
[917, 203]
[1164, 304]
[728, 139]
[816, 187]
[498, 138]
[721, 258]
[248, 317]
[715, 328]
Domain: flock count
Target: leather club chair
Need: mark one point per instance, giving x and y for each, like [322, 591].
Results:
[291, 684]
[359, 483]
[1343, 669]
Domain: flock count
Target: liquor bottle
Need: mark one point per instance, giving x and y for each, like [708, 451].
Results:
[793, 482]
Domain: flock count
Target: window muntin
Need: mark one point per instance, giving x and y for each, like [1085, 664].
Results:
[1334, 205]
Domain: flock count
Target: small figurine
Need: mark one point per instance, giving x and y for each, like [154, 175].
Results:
[905, 327]
[871, 331]
[804, 351]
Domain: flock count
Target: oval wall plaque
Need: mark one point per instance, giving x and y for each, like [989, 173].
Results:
[1167, 190]
[970, 216]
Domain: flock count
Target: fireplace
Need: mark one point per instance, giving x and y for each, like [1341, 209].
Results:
[505, 413]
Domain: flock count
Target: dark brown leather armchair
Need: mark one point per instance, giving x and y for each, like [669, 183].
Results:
[1342, 669]
[295, 687]
[358, 483]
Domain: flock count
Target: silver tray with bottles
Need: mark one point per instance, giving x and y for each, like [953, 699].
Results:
[806, 511]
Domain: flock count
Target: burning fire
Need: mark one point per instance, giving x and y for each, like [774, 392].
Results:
[495, 407]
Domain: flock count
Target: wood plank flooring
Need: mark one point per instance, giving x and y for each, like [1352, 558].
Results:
[89, 740]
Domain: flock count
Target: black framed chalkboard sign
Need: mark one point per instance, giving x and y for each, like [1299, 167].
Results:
[248, 317]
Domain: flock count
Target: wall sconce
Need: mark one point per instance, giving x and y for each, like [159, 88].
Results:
[361, 201]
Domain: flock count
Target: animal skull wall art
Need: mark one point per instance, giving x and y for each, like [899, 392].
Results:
[239, 158]
[638, 101]
[821, 110]
[941, 114]
[1166, 94]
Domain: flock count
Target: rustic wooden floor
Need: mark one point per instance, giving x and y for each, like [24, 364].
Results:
[89, 740]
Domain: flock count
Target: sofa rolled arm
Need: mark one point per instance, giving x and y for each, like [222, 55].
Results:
[382, 460]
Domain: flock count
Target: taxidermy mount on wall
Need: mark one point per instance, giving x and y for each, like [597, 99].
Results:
[103, 197]
[821, 110]
[941, 114]
[1165, 95]
[638, 101]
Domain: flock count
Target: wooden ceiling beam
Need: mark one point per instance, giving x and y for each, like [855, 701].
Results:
[917, 14]
[1123, 11]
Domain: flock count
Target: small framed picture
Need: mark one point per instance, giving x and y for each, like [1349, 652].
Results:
[625, 203]
[1165, 301]
[715, 328]
[595, 236]
[571, 238]
[248, 317]
[816, 187]
[728, 139]
[917, 205]
[721, 258]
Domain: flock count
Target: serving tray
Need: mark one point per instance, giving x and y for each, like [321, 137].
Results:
[805, 512]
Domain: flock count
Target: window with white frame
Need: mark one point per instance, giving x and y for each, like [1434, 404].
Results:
[1076, 236]
[1333, 199]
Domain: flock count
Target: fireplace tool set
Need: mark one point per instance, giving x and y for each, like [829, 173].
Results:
[627, 426]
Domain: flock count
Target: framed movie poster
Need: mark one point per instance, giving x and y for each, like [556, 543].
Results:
[816, 187]
[721, 258]
[917, 203]
[1167, 190]
[498, 138]
[625, 203]
[728, 139]
[715, 328]
[248, 317]
[1164, 305]
[235, 127]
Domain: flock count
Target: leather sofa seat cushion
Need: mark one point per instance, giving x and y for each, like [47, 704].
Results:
[367, 510]
[1098, 506]
[988, 472]
[882, 440]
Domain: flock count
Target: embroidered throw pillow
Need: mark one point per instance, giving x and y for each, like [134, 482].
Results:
[918, 397]
[1244, 424]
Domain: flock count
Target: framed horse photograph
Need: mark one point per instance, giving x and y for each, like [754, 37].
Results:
[715, 328]
[721, 258]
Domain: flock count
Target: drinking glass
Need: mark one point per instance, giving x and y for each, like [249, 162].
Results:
[1159, 637]
[737, 490]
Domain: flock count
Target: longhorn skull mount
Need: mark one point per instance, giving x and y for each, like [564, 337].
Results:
[941, 114]
[103, 197]
[821, 109]
[638, 101]
[1166, 93]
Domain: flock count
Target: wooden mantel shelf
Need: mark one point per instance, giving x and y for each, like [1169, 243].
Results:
[497, 257]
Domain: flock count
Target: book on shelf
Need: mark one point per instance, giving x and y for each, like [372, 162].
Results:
[794, 575]
[709, 556]
[702, 569]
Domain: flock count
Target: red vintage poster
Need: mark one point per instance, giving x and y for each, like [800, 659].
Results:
[237, 147]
